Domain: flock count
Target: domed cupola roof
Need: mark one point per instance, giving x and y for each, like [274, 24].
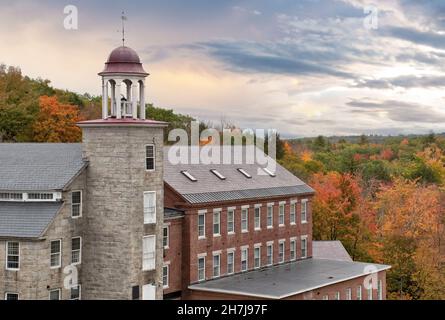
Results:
[123, 60]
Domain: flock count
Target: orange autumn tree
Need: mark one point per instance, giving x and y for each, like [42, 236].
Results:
[56, 122]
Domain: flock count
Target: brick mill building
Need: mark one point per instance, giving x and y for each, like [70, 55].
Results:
[113, 218]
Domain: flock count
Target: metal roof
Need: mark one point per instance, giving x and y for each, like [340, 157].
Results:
[289, 279]
[39, 166]
[332, 250]
[26, 219]
[236, 186]
[170, 213]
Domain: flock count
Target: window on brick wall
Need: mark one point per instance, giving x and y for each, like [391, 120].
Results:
[149, 207]
[270, 216]
[281, 252]
[165, 237]
[269, 254]
[201, 225]
[244, 259]
[348, 294]
[76, 250]
[244, 220]
[257, 218]
[201, 268]
[148, 253]
[230, 221]
[165, 275]
[257, 257]
[359, 292]
[12, 255]
[304, 211]
[337, 295]
[304, 247]
[216, 223]
[76, 204]
[56, 253]
[293, 249]
[54, 294]
[230, 262]
[293, 206]
[216, 265]
[149, 157]
[380, 290]
[370, 290]
[281, 215]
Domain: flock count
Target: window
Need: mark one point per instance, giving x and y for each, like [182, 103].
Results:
[216, 265]
[370, 290]
[165, 237]
[269, 252]
[216, 223]
[149, 207]
[150, 157]
[292, 213]
[326, 297]
[244, 259]
[11, 296]
[380, 290]
[76, 204]
[165, 271]
[304, 246]
[230, 221]
[54, 294]
[281, 252]
[218, 174]
[11, 196]
[189, 176]
[257, 257]
[257, 216]
[244, 219]
[349, 294]
[76, 250]
[270, 173]
[201, 268]
[12, 255]
[75, 293]
[201, 225]
[304, 211]
[293, 249]
[359, 293]
[148, 253]
[337, 295]
[270, 216]
[55, 255]
[40, 196]
[281, 215]
[230, 261]
[244, 172]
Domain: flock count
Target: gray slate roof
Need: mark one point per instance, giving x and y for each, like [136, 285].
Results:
[26, 219]
[286, 280]
[39, 166]
[332, 250]
[209, 188]
[170, 213]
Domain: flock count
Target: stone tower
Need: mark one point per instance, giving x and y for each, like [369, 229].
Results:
[124, 198]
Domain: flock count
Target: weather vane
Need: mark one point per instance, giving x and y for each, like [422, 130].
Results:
[124, 18]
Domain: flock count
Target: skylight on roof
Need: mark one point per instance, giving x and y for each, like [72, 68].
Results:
[189, 176]
[244, 172]
[270, 173]
[218, 174]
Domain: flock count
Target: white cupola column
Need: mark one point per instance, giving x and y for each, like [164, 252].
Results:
[117, 91]
[142, 99]
[134, 100]
[113, 97]
[104, 99]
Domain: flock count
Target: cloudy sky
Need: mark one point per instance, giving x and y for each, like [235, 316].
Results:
[304, 67]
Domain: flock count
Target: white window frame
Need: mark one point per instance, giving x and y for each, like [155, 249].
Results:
[244, 173]
[148, 262]
[59, 293]
[348, 294]
[269, 245]
[217, 266]
[189, 176]
[76, 204]
[79, 250]
[293, 254]
[231, 212]
[7, 256]
[282, 214]
[59, 265]
[203, 214]
[269, 215]
[337, 295]
[216, 222]
[257, 220]
[166, 227]
[257, 248]
[232, 253]
[14, 293]
[246, 250]
[201, 257]
[154, 157]
[326, 297]
[218, 174]
[245, 210]
[80, 292]
[380, 290]
[303, 240]
[166, 266]
[293, 213]
[304, 203]
[281, 255]
[150, 211]
[370, 297]
[359, 292]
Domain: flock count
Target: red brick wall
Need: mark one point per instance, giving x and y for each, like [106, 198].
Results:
[310, 295]
[173, 255]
